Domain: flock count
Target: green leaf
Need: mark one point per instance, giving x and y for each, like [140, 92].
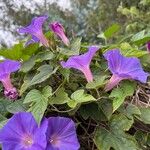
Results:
[16, 106]
[65, 73]
[72, 104]
[75, 45]
[120, 122]
[2, 123]
[79, 96]
[33, 96]
[38, 104]
[145, 115]
[28, 65]
[145, 2]
[119, 94]
[105, 105]
[142, 139]
[18, 52]
[130, 110]
[99, 81]
[31, 49]
[47, 91]
[115, 137]
[46, 55]
[145, 60]
[129, 51]
[26, 84]
[74, 48]
[141, 38]
[93, 111]
[14, 53]
[2, 118]
[134, 53]
[148, 140]
[110, 31]
[40, 57]
[61, 97]
[45, 72]
[133, 110]
[3, 105]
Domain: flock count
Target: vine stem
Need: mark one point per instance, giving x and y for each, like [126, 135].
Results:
[61, 111]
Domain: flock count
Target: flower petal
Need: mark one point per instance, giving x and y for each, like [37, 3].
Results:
[35, 26]
[82, 62]
[18, 127]
[12, 146]
[129, 68]
[35, 30]
[7, 67]
[61, 134]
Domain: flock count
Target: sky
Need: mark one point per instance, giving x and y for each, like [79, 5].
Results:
[6, 36]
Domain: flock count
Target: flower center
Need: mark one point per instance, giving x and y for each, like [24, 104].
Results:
[27, 141]
[54, 140]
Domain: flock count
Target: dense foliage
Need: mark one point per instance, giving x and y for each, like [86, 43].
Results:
[118, 119]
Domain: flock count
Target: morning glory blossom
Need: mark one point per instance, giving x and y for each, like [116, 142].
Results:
[148, 46]
[61, 134]
[58, 29]
[82, 62]
[123, 68]
[22, 132]
[35, 30]
[6, 68]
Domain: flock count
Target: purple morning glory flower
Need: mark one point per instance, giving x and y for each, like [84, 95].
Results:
[82, 62]
[6, 68]
[35, 30]
[61, 134]
[148, 46]
[123, 68]
[58, 29]
[23, 133]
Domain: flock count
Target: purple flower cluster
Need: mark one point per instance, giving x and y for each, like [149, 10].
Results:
[117, 63]
[36, 32]
[120, 66]
[23, 133]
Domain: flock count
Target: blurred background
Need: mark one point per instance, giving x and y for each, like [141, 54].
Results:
[86, 18]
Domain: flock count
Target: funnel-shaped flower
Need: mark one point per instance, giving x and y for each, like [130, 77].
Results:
[123, 68]
[148, 46]
[23, 133]
[6, 68]
[61, 134]
[82, 62]
[35, 30]
[58, 29]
